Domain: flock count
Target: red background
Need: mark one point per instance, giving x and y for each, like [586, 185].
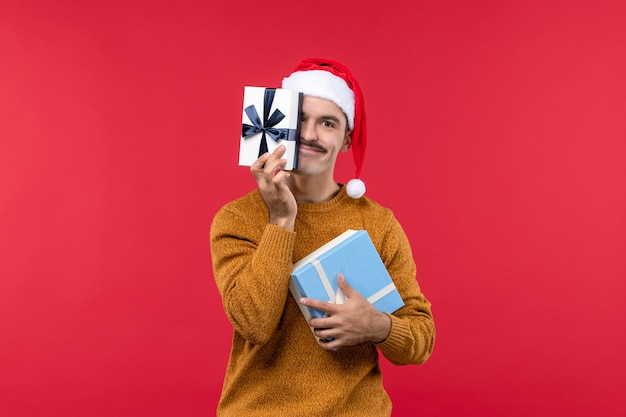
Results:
[497, 134]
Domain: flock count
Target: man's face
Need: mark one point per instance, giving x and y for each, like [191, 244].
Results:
[323, 134]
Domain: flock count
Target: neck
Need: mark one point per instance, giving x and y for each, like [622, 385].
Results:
[312, 189]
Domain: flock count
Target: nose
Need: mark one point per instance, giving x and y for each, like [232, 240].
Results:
[307, 130]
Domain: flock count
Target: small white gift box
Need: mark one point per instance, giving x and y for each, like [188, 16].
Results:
[271, 117]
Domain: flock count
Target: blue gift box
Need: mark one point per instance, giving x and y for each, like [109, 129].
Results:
[352, 254]
[271, 117]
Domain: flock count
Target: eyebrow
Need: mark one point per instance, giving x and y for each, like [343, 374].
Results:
[326, 117]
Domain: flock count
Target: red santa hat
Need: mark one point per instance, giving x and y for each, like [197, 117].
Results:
[333, 81]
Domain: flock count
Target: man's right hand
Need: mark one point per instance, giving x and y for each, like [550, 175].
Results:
[272, 182]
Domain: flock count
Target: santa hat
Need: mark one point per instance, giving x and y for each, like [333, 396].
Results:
[333, 81]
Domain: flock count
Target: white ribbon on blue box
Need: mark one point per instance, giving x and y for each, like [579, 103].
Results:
[352, 254]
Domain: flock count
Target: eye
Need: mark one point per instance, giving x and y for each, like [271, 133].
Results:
[328, 123]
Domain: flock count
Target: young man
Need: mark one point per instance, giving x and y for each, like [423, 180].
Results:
[276, 366]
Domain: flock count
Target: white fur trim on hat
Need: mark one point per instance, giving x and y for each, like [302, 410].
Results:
[323, 84]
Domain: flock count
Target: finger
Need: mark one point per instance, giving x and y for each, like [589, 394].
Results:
[280, 176]
[324, 306]
[274, 165]
[322, 333]
[277, 154]
[280, 151]
[260, 162]
[320, 323]
[278, 168]
[329, 343]
[348, 291]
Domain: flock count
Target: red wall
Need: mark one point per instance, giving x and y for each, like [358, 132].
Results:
[497, 135]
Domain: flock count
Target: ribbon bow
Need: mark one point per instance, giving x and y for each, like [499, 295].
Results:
[267, 126]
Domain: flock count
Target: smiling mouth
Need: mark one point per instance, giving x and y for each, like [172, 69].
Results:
[313, 146]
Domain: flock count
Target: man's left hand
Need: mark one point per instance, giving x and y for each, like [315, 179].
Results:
[354, 322]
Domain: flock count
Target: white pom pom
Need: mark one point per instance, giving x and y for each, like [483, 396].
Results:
[355, 188]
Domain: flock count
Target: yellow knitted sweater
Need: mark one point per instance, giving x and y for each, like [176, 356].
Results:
[276, 368]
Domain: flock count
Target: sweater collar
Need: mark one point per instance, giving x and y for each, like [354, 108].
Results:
[340, 198]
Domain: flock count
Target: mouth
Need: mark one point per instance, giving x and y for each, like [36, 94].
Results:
[312, 146]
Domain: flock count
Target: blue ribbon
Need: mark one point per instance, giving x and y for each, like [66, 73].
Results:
[267, 126]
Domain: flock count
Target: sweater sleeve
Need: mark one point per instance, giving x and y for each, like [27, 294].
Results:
[252, 263]
[412, 336]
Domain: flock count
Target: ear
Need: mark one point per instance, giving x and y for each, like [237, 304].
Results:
[347, 141]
